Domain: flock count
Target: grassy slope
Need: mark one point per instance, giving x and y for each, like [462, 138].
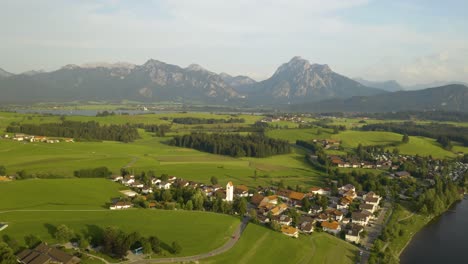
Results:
[295, 133]
[261, 245]
[182, 226]
[417, 145]
[57, 194]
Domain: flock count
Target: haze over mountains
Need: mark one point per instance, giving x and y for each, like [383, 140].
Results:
[295, 82]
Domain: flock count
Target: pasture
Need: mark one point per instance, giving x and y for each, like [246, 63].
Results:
[196, 232]
[261, 245]
[294, 134]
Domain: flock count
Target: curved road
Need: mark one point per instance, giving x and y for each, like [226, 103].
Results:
[227, 246]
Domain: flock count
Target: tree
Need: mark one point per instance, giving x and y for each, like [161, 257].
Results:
[155, 244]
[2, 170]
[175, 248]
[146, 244]
[6, 254]
[214, 180]
[253, 215]
[63, 233]
[166, 195]
[32, 240]
[405, 138]
[242, 208]
[189, 205]
[84, 242]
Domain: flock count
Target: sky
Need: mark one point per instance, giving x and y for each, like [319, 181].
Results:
[411, 41]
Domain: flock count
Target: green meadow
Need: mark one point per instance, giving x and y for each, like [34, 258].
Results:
[57, 194]
[188, 228]
[261, 245]
[417, 145]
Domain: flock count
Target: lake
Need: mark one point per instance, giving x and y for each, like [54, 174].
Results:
[443, 240]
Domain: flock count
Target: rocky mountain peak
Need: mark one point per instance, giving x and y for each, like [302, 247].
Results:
[195, 67]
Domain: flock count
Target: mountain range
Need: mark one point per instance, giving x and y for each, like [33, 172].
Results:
[311, 86]
[453, 97]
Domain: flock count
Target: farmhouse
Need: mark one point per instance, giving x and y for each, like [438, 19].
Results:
[43, 254]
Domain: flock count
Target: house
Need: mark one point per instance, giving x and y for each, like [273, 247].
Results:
[331, 227]
[307, 227]
[120, 205]
[346, 188]
[344, 203]
[269, 200]
[290, 231]
[284, 220]
[128, 180]
[147, 190]
[279, 209]
[402, 174]
[351, 194]
[241, 191]
[359, 218]
[320, 191]
[353, 233]
[335, 214]
[164, 185]
[155, 181]
[172, 178]
[283, 194]
[256, 199]
[295, 198]
[43, 254]
[374, 200]
[367, 207]
[137, 184]
[116, 178]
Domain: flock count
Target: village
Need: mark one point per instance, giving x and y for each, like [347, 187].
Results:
[346, 213]
[20, 137]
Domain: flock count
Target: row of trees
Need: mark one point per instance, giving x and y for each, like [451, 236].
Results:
[200, 121]
[253, 145]
[158, 130]
[78, 130]
[100, 172]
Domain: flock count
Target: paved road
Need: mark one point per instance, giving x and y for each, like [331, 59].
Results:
[375, 231]
[227, 246]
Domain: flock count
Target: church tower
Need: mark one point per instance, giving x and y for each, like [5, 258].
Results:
[229, 192]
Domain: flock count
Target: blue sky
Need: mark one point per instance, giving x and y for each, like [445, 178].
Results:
[409, 41]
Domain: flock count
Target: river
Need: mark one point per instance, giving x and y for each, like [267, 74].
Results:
[443, 240]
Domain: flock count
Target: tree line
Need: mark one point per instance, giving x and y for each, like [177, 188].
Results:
[200, 121]
[100, 172]
[90, 130]
[158, 130]
[433, 130]
[235, 145]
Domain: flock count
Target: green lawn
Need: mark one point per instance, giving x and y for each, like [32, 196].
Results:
[261, 245]
[57, 194]
[196, 232]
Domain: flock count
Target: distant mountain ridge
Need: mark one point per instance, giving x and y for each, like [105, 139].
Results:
[448, 98]
[299, 81]
[389, 86]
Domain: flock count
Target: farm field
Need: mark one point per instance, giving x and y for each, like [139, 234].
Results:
[186, 227]
[261, 245]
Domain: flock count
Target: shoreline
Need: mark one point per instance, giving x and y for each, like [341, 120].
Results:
[433, 218]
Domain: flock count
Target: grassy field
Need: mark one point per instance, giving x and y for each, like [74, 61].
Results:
[196, 232]
[294, 134]
[57, 194]
[151, 154]
[39, 206]
[418, 145]
[261, 245]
